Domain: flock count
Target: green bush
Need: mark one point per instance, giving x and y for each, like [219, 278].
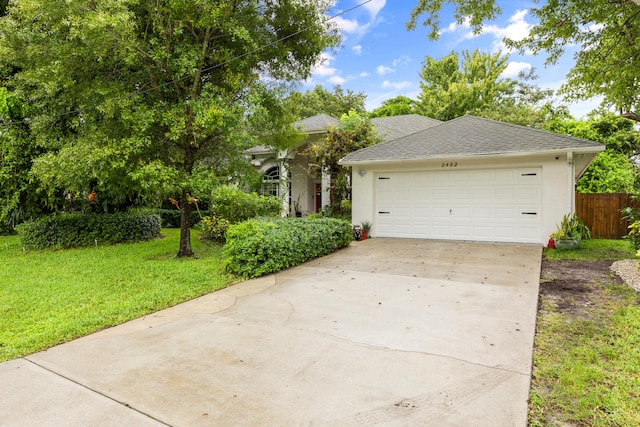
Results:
[632, 214]
[76, 230]
[235, 205]
[214, 228]
[258, 247]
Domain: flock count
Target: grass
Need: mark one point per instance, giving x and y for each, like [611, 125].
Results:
[49, 297]
[594, 249]
[587, 363]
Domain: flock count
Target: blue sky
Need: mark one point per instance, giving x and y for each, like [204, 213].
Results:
[380, 58]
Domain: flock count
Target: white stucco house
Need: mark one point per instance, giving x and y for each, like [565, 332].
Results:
[291, 175]
[469, 179]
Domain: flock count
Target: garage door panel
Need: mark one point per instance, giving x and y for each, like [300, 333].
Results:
[483, 213]
[504, 232]
[437, 212]
[488, 205]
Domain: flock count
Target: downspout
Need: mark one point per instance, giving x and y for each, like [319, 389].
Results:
[571, 196]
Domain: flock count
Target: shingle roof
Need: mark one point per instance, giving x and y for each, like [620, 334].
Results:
[395, 127]
[469, 136]
[317, 123]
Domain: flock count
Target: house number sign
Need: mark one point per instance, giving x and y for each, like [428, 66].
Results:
[449, 164]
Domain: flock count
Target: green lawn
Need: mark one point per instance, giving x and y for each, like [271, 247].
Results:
[594, 249]
[587, 358]
[50, 297]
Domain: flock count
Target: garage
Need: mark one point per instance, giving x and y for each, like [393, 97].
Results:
[501, 205]
[469, 179]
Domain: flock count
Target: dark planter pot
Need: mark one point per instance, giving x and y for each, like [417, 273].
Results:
[567, 243]
[298, 214]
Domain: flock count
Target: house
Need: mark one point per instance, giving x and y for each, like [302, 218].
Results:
[469, 179]
[292, 174]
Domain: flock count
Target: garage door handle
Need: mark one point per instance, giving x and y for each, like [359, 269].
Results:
[529, 213]
[384, 212]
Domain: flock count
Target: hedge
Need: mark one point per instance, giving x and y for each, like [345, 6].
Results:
[76, 230]
[261, 246]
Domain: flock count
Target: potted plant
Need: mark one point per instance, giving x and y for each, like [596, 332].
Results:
[366, 226]
[570, 232]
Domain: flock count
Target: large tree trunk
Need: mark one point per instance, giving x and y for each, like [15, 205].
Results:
[185, 227]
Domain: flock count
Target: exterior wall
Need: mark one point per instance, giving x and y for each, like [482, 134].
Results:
[558, 183]
[302, 187]
[297, 182]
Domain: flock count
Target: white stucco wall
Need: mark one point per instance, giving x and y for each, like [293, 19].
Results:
[558, 183]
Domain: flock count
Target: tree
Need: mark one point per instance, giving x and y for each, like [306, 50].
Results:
[617, 133]
[132, 98]
[322, 101]
[528, 105]
[452, 87]
[607, 31]
[19, 199]
[397, 106]
[610, 172]
[613, 170]
[355, 132]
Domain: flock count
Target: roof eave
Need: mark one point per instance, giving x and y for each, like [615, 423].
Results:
[577, 150]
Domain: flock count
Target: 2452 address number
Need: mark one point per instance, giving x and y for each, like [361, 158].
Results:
[449, 164]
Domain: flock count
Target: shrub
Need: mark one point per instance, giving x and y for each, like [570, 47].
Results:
[258, 247]
[214, 228]
[75, 230]
[235, 205]
[632, 214]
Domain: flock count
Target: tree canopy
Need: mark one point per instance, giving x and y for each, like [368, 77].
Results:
[614, 170]
[321, 101]
[453, 86]
[608, 33]
[355, 132]
[397, 106]
[132, 98]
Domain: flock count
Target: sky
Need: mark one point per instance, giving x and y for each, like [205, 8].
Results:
[380, 58]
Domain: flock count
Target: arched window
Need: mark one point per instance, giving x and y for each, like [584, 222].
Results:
[271, 182]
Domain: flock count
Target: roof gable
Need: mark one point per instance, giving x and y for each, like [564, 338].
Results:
[469, 136]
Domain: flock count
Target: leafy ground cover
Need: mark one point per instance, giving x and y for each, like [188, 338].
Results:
[587, 345]
[49, 297]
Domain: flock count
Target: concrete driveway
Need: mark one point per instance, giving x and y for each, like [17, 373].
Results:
[386, 332]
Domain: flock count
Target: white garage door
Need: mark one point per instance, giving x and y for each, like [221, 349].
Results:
[497, 205]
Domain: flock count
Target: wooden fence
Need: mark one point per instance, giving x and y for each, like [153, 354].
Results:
[602, 213]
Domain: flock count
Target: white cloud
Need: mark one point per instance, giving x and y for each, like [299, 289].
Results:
[374, 6]
[514, 67]
[517, 29]
[383, 69]
[323, 69]
[350, 25]
[402, 60]
[364, 74]
[464, 28]
[357, 49]
[396, 85]
[593, 28]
